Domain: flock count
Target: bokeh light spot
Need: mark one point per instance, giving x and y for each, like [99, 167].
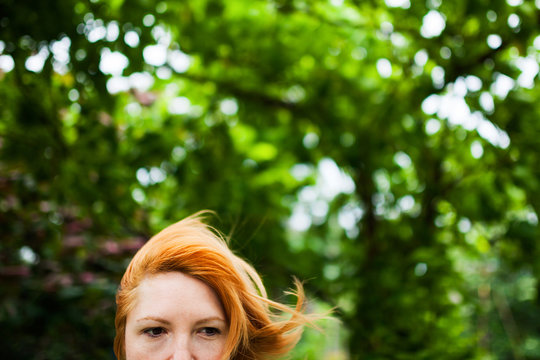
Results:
[433, 24]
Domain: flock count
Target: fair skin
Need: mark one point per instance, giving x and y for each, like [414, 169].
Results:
[176, 317]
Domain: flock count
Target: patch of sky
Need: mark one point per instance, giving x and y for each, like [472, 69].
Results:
[179, 105]
[420, 269]
[301, 171]
[398, 40]
[36, 62]
[402, 160]
[381, 180]
[117, 84]
[491, 16]
[502, 85]
[477, 150]
[133, 109]
[486, 102]
[161, 35]
[27, 255]
[73, 95]
[433, 4]
[131, 38]
[141, 81]
[348, 217]
[112, 62]
[331, 180]
[494, 41]
[529, 69]
[473, 83]
[464, 225]
[155, 55]
[112, 31]
[60, 51]
[310, 140]
[433, 24]
[536, 42]
[433, 126]
[228, 106]
[178, 61]
[95, 30]
[437, 77]
[514, 21]
[154, 175]
[384, 68]
[313, 201]
[299, 220]
[406, 203]
[404, 4]
[138, 195]
[164, 72]
[532, 217]
[294, 94]
[421, 57]
[149, 20]
[453, 107]
[178, 154]
[514, 2]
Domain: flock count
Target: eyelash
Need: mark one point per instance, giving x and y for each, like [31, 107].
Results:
[213, 331]
[207, 331]
[150, 330]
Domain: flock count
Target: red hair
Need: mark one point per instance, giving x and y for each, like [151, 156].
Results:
[195, 249]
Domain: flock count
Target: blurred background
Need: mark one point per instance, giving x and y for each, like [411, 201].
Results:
[386, 152]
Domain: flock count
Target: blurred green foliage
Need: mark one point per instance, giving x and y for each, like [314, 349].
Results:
[385, 151]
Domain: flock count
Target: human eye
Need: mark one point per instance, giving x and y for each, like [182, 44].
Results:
[154, 332]
[209, 331]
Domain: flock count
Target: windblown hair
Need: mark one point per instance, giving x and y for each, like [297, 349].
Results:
[256, 330]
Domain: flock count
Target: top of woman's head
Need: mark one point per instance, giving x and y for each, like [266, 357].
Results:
[195, 249]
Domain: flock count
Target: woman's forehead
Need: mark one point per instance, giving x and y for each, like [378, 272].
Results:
[176, 293]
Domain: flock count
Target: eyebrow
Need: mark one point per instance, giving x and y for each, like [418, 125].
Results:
[209, 319]
[167, 322]
[155, 318]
